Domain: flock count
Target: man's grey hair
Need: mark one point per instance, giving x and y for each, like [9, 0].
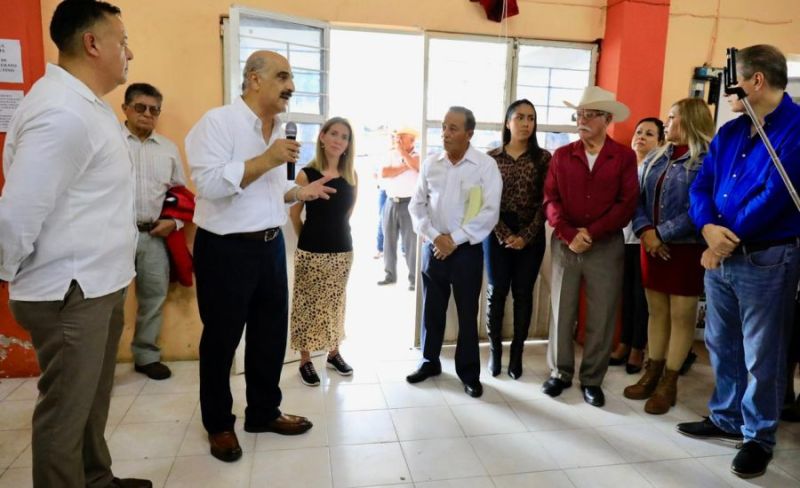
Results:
[767, 59]
[469, 117]
[254, 64]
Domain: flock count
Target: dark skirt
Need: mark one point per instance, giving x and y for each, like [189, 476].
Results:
[681, 275]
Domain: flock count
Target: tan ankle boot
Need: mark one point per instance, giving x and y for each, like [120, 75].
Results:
[665, 395]
[648, 382]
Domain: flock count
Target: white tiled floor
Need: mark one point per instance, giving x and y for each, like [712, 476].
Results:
[375, 430]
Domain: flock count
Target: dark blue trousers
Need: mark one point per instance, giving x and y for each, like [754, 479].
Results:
[240, 281]
[463, 272]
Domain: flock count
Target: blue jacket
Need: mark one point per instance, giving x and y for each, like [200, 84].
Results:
[674, 224]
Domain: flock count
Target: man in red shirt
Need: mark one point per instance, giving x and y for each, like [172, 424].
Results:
[590, 194]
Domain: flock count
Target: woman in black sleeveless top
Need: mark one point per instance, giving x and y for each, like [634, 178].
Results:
[324, 253]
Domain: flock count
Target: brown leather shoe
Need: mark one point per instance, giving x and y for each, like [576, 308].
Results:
[648, 382]
[225, 446]
[665, 395]
[285, 424]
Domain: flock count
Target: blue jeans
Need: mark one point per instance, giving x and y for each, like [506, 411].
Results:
[750, 308]
[381, 204]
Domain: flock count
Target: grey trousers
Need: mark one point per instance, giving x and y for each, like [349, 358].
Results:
[76, 345]
[397, 221]
[601, 270]
[152, 284]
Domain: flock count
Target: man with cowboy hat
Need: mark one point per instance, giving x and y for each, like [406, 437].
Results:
[399, 180]
[590, 194]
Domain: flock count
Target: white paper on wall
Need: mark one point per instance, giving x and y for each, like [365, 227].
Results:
[10, 61]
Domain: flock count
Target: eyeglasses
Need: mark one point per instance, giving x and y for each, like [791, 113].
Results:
[139, 108]
[587, 114]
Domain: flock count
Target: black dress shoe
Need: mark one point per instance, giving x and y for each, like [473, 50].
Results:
[131, 483]
[612, 361]
[633, 368]
[154, 371]
[386, 281]
[706, 429]
[593, 395]
[554, 386]
[474, 389]
[751, 461]
[425, 371]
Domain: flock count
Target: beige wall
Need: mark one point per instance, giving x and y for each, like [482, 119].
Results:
[741, 23]
[177, 47]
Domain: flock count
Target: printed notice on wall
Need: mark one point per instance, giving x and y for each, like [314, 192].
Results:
[9, 101]
[10, 61]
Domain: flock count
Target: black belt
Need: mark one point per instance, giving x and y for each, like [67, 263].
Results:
[400, 200]
[259, 235]
[747, 248]
[145, 226]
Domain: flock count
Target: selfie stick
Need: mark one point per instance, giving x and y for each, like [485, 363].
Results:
[730, 80]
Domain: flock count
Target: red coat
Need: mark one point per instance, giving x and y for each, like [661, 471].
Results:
[179, 204]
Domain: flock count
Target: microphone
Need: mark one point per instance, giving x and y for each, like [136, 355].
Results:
[291, 134]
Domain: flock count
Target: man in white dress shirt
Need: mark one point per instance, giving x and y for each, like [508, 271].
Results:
[399, 177]
[236, 155]
[455, 206]
[67, 240]
[157, 167]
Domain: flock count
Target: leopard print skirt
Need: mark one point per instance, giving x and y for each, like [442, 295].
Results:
[320, 283]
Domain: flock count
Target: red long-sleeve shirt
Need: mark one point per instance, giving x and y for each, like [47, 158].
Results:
[601, 200]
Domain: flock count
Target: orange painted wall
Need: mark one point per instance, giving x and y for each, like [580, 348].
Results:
[20, 19]
[632, 58]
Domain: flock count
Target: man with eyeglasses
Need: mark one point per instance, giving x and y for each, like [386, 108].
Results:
[590, 194]
[157, 167]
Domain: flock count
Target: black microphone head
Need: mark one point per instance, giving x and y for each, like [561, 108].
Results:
[291, 130]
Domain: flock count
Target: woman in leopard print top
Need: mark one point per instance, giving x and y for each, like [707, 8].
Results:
[513, 252]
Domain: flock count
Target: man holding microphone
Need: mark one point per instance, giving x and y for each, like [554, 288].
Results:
[236, 155]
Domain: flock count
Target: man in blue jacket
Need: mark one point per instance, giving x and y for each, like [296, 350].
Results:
[751, 226]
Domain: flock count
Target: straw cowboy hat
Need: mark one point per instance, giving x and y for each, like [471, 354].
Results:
[406, 129]
[595, 98]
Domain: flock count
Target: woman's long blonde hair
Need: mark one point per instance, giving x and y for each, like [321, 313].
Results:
[345, 167]
[697, 125]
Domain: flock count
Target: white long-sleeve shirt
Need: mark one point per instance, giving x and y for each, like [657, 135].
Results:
[66, 212]
[441, 196]
[217, 148]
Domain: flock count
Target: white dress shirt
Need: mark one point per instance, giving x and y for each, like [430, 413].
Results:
[66, 212]
[440, 199]
[157, 166]
[402, 185]
[217, 147]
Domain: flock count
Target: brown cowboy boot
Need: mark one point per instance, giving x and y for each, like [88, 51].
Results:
[648, 382]
[665, 395]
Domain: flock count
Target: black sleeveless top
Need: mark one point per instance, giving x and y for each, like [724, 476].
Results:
[327, 224]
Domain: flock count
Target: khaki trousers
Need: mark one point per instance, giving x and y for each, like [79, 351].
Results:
[601, 269]
[76, 346]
